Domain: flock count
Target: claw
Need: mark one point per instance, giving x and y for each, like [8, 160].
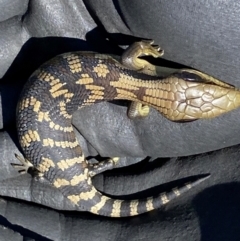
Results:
[151, 42]
[148, 41]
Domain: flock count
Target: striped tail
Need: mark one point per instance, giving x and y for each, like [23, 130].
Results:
[97, 203]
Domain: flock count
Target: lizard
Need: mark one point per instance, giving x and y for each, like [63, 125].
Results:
[71, 81]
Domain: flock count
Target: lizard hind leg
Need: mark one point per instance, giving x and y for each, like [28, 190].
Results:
[102, 166]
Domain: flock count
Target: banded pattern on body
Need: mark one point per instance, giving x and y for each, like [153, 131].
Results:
[74, 80]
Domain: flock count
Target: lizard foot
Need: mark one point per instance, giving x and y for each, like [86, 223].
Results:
[102, 166]
[26, 167]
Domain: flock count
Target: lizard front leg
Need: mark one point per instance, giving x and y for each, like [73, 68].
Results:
[131, 59]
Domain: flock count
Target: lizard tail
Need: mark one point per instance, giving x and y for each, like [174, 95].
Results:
[97, 203]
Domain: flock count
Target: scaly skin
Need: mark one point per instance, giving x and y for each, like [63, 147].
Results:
[74, 80]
